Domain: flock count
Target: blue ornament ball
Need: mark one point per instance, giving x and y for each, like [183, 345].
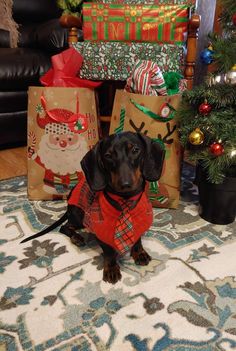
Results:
[206, 56]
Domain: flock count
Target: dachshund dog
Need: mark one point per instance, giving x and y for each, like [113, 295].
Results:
[111, 200]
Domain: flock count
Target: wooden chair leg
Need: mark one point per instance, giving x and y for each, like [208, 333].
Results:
[193, 29]
[72, 23]
[72, 36]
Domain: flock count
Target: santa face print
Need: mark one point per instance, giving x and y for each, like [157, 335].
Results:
[63, 141]
[59, 149]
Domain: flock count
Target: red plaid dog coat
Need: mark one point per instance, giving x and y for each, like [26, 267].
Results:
[119, 229]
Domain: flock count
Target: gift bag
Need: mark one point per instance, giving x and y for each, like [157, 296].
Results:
[153, 116]
[62, 127]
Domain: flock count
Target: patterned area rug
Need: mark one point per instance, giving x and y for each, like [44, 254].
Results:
[52, 296]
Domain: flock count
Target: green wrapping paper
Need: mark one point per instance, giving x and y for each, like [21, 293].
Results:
[115, 60]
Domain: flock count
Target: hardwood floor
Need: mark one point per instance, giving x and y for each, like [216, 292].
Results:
[13, 162]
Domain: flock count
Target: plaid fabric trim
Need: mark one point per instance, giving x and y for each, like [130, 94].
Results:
[121, 232]
[124, 235]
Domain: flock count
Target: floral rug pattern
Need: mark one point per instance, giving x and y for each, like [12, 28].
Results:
[52, 296]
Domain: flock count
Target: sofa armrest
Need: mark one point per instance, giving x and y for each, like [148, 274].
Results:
[51, 37]
[4, 39]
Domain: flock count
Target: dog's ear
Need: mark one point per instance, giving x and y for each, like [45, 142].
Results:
[153, 159]
[92, 166]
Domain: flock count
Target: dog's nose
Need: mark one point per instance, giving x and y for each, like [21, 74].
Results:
[126, 185]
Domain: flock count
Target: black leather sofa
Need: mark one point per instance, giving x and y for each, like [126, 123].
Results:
[41, 36]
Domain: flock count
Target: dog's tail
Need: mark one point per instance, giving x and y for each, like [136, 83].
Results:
[46, 230]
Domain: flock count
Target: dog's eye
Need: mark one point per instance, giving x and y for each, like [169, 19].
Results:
[107, 155]
[135, 149]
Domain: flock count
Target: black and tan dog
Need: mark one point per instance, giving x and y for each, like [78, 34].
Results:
[111, 200]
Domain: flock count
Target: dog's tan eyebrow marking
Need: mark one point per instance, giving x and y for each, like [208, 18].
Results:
[130, 146]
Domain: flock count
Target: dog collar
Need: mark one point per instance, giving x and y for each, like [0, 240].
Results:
[119, 202]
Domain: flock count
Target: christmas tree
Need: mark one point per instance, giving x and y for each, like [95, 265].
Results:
[70, 7]
[207, 115]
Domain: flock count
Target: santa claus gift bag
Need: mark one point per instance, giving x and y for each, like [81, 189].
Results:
[62, 127]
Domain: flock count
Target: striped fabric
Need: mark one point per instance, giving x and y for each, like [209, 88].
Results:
[146, 79]
[136, 23]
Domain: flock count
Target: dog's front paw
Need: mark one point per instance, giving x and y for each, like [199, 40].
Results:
[111, 274]
[141, 257]
[77, 240]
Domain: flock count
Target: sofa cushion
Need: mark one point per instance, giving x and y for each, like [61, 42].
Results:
[21, 67]
[32, 11]
[13, 101]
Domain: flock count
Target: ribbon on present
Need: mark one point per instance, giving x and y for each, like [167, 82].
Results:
[146, 79]
[65, 67]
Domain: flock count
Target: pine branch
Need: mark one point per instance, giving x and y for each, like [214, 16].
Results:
[70, 6]
[218, 95]
[216, 166]
[224, 49]
[225, 18]
[220, 124]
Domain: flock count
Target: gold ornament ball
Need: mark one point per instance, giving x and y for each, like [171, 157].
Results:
[196, 137]
[231, 75]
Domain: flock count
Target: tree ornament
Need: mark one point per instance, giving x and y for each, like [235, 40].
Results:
[231, 75]
[218, 79]
[217, 149]
[196, 137]
[234, 19]
[206, 55]
[205, 108]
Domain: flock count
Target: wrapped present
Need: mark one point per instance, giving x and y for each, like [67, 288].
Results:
[190, 3]
[136, 23]
[62, 127]
[115, 60]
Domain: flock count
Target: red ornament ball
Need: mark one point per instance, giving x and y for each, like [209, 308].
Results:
[234, 19]
[205, 108]
[216, 149]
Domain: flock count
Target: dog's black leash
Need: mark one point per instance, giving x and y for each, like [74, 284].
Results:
[46, 230]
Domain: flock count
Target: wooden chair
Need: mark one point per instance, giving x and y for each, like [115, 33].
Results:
[190, 57]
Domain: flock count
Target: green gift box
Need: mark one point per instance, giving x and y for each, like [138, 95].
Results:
[115, 60]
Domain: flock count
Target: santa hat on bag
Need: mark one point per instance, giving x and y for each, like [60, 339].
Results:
[62, 121]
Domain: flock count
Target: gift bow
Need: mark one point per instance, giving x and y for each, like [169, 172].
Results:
[65, 67]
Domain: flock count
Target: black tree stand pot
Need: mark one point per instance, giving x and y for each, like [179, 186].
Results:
[217, 201]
